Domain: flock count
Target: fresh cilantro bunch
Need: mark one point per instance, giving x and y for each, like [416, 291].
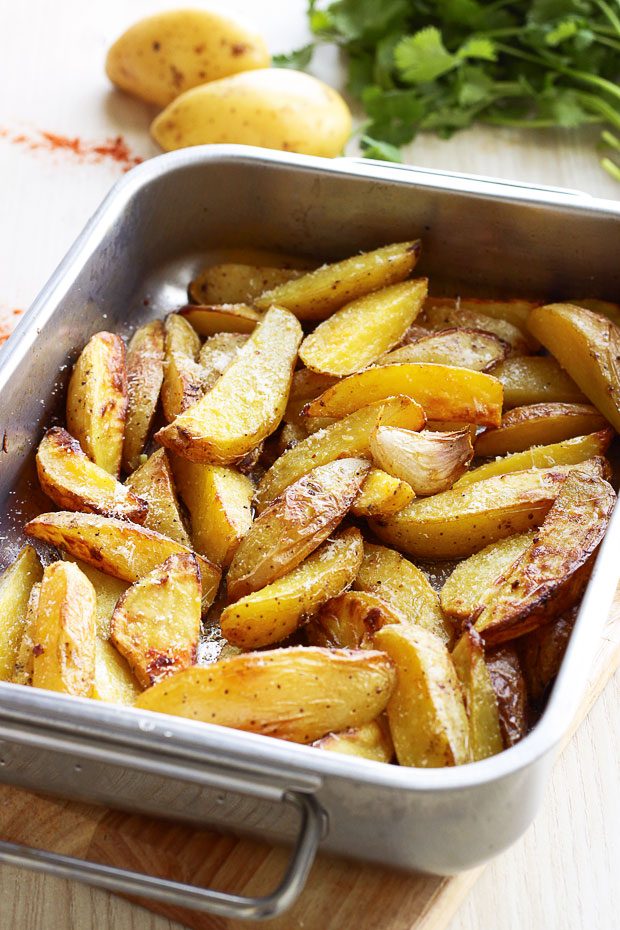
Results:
[441, 66]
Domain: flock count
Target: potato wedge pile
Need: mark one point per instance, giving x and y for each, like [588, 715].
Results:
[254, 499]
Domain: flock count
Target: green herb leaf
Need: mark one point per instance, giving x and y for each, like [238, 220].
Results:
[422, 57]
[381, 151]
[298, 59]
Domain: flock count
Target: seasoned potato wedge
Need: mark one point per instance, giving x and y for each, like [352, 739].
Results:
[602, 307]
[247, 402]
[306, 385]
[295, 525]
[221, 318]
[371, 741]
[64, 631]
[108, 590]
[363, 330]
[468, 348]
[382, 495]
[298, 694]
[403, 587]
[156, 623]
[350, 621]
[16, 582]
[536, 379]
[236, 283]
[23, 668]
[218, 352]
[542, 652]
[587, 345]
[183, 377]
[114, 681]
[154, 482]
[121, 549]
[515, 311]
[509, 686]
[485, 737]
[426, 712]
[439, 316]
[445, 392]
[273, 613]
[73, 482]
[536, 425]
[145, 374]
[429, 461]
[316, 295]
[97, 400]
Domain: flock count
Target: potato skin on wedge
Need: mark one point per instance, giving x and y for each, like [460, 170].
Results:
[542, 652]
[23, 669]
[183, 377]
[221, 318]
[350, 621]
[235, 282]
[509, 685]
[536, 379]
[16, 583]
[442, 316]
[538, 424]
[145, 373]
[485, 737]
[297, 694]
[154, 482]
[471, 348]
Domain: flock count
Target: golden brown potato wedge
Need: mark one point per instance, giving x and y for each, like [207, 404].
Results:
[542, 652]
[64, 631]
[295, 525]
[602, 307]
[114, 681]
[445, 315]
[306, 385]
[316, 295]
[429, 461]
[445, 392]
[124, 550]
[221, 318]
[298, 694]
[234, 282]
[381, 495]
[247, 402]
[24, 658]
[218, 352]
[184, 383]
[467, 348]
[536, 379]
[154, 483]
[16, 583]
[426, 712]
[363, 330]
[73, 482]
[145, 374]
[587, 345]
[515, 311]
[273, 613]
[538, 424]
[97, 400]
[156, 623]
[371, 741]
[108, 590]
[509, 686]
[350, 621]
[485, 737]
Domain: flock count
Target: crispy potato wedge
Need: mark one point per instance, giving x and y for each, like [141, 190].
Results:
[347, 437]
[552, 572]
[219, 500]
[124, 550]
[403, 587]
[218, 352]
[350, 621]
[445, 392]
[429, 461]
[73, 482]
[108, 590]
[514, 311]
[64, 631]
[247, 402]
[156, 623]
[509, 686]
[469, 348]
[371, 741]
[542, 652]
[587, 345]
[306, 385]
[295, 525]
[316, 295]
[183, 384]
[221, 318]
[538, 424]
[426, 712]
[602, 307]
[154, 483]
[536, 379]
[440, 316]
[363, 330]
[381, 495]
[234, 282]
[16, 582]
[273, 613]
[97, 400]
[297, 694]
[145, 374]
[23, 668]
[114, 681]
[485, 737]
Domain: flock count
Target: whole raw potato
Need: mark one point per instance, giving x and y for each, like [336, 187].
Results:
[164, 55]
[273, 108]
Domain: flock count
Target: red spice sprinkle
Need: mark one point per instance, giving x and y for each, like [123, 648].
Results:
[115, 148]
[6, 326]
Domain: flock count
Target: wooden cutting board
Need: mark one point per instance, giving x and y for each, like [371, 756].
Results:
[339, 893]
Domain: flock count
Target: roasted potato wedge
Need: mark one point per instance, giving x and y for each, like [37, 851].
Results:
[16, 582]
[108, 590]
[145, 374]
[440, 316]
[154, 483]
[363, 330]
[429, 461]
[536, 379]
[381, 495]
[316, 295]
[156, 623]
[24, 658]
[514, 311]
[64, 631]
[538, 424]
[236, 283]
[218, 352]
[469, 348]
[273, 613]
[184, 382]
[114, 681]
[295, 525]
[509, 686]
[350, 621]
[371, 741]
[485, 737]
[587, 345]
[445, 392]
[221, 318]
[426, 712]
[306, 385]
[542, 652]
[247, 402]
[602, 307]
[97, 400]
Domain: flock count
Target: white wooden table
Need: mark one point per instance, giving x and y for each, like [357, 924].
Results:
[563, 875]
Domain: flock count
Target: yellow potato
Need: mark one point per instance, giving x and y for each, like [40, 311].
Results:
[319, 293]
[363, 330]
[306, 385]
[602, 307]
[217, 354]
[514, 311]
[16, 582]
[23, 668]
[221, 318]
[485, 737]
[509, 685]
[445, 315]
[154, 482]
[108, 590]
[350, 621]
[145, 373]
[429, 461]
[381, 495]
[114, 682]
[234, 283]
[97, 400]
[298, 694]
[542, 652]
[470, 348]
[270, 615]
[535, 379]
[247, 402]
[536, 424]
[274, 108]
[372, 741]
[162, 56]
[183, 377]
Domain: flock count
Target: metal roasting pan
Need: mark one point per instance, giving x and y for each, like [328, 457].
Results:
[132, 262]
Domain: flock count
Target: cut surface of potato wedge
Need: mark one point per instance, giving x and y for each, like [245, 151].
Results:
[153, 482]
[221, 318]
[145, 374]
[183, 384]
[538, 424]
[247, 402]
[363, 330]
[350, 621]
[73, 482]
[511, 693]
[23, 668]
[108, 590]
[319, 293]
[234, 282]
[542, 652]
[97, 400]
[114, 681]
[439, 317]
[381, 495]
[467, 348]
[16, 583]
[298, 694]
[156, 623]
[305, 386]
[429, 461]
[270, 615]
[536, 379]
[371, 741]
[485, 737]
[218, 352]
[426, 711]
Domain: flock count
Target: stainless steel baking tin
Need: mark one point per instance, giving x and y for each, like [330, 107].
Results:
[133, 261]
